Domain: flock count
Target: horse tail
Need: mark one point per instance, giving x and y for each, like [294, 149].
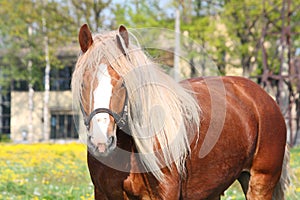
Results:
[285, 178]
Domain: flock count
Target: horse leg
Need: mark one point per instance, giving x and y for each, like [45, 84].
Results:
[269, 153]
[244, 179]
[264, 174]
[265, 171]
[261, 186]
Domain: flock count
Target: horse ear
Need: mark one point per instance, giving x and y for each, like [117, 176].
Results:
[85, 38]
[124, 34]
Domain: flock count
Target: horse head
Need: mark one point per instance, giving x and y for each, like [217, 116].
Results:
[103, 95]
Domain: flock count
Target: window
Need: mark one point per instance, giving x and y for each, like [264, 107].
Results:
[60, 79]
[63, 126]
[5, 113]
[19, 85]
[5, 124]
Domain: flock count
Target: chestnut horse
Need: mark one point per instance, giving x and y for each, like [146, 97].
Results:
[150, 137]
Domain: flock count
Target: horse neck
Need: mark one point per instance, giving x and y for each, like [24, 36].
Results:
[125, 141]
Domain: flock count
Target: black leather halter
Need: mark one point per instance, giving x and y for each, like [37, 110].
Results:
[120, 119]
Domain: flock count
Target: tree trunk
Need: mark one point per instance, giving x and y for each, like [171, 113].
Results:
[177, 45]
[46, 120]
[30, 136]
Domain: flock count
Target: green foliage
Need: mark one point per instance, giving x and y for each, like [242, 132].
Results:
[91, 12]
[4, 138]
[141, 14]
[246, 22]
[230, 31]
[22, 39]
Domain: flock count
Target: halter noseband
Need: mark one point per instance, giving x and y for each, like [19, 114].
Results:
[120, 119]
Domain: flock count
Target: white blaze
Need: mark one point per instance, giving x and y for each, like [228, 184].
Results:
[102, 95]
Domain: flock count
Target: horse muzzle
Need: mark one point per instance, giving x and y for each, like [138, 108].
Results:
[101, 148]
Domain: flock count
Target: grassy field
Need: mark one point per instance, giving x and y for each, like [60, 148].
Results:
[44, 171]
[56, 171]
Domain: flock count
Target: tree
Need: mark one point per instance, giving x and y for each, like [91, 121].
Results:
[141, 14]
[22, 38]
[90, 12]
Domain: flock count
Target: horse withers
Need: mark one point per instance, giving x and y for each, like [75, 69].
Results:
[150, 137]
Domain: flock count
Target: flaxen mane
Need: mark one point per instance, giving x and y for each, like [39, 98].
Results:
[163, 115]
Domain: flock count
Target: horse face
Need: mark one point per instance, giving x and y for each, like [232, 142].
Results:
[102, 90]
[106, 92]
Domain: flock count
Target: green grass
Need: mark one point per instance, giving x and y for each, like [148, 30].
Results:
[53, 171]
[44, 171]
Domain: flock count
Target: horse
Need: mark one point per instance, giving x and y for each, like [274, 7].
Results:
[150, 137]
